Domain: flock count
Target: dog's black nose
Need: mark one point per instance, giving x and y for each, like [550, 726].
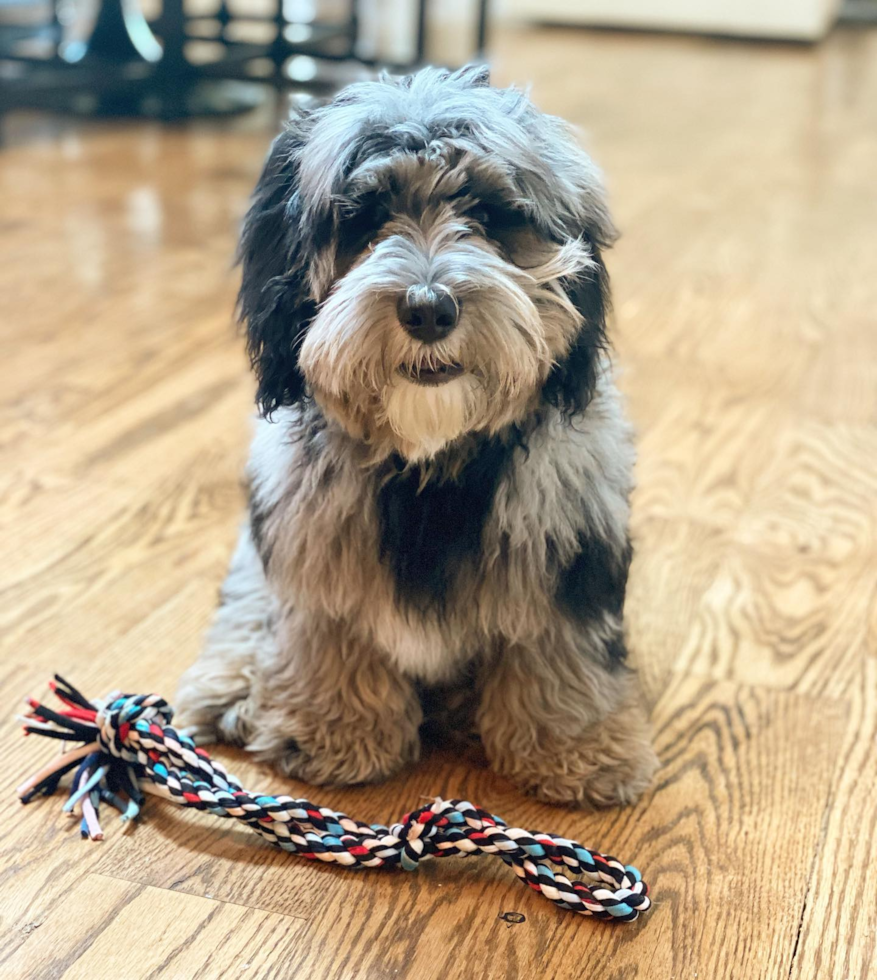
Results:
[428, 318]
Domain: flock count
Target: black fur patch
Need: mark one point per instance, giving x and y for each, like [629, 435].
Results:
[594, 583]
[616, 651]
[258, 516]
[570, 386]
[358, 222]
[274, 300]
[449, 709]
[427, 535]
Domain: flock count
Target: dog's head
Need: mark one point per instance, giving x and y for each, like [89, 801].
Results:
[422, 256]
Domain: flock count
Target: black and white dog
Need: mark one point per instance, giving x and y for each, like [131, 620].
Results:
[439, 483]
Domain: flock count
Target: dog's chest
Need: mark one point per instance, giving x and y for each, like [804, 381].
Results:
[430, 531]
[393, 555]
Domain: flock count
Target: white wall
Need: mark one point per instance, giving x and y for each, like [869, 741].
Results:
[793, 19]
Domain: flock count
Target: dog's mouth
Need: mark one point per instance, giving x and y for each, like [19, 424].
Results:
[423, 374]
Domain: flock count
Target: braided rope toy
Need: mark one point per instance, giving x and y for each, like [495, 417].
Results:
[129, 747]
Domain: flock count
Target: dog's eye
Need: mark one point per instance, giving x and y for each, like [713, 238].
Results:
[481, 215]
[359, 225]
[496, 218]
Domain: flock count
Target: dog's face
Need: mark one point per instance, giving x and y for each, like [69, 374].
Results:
[422, 256]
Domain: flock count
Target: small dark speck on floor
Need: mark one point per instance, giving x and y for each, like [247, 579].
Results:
[512, 918]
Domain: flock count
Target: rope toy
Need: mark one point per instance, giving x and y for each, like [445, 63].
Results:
[129, 747]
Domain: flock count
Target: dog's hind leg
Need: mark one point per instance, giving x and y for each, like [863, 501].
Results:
[214, 696]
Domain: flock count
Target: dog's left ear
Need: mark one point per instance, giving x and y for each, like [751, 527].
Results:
[274, 300]
[571, 383]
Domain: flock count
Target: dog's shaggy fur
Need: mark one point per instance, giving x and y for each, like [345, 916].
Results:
[430, 518]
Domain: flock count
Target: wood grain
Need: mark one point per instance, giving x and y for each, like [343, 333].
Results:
[745, 283]
[838, 936]
[96, 930]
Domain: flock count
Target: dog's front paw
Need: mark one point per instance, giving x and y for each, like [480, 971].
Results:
[208, 721]
[586, 780]
[327, 770]
[329, 755]
[611, 763]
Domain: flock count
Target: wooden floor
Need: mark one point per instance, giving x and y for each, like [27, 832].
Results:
[743, 177]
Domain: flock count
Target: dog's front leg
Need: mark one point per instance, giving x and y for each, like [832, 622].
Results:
[330, 708]
[563, 718]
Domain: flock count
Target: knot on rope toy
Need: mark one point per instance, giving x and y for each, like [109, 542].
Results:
[130, 747]
[417, 833]
[115, 716]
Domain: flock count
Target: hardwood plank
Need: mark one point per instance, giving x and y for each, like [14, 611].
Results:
[838, 931]
[789, 603]
[702, 457]
[675, 561]
[106, 927]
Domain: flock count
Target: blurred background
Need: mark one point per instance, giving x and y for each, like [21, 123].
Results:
[176, 58]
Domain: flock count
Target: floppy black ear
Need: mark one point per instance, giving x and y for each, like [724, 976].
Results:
[274, 299]
[571, 383]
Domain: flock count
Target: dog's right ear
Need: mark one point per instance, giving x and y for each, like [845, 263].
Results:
[274, 300]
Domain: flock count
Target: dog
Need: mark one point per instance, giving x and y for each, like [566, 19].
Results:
[440, 473]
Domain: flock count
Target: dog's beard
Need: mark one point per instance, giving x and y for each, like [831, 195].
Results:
[515, 324]
[425, 419]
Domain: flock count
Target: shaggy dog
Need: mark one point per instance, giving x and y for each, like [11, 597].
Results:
[439, 481]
